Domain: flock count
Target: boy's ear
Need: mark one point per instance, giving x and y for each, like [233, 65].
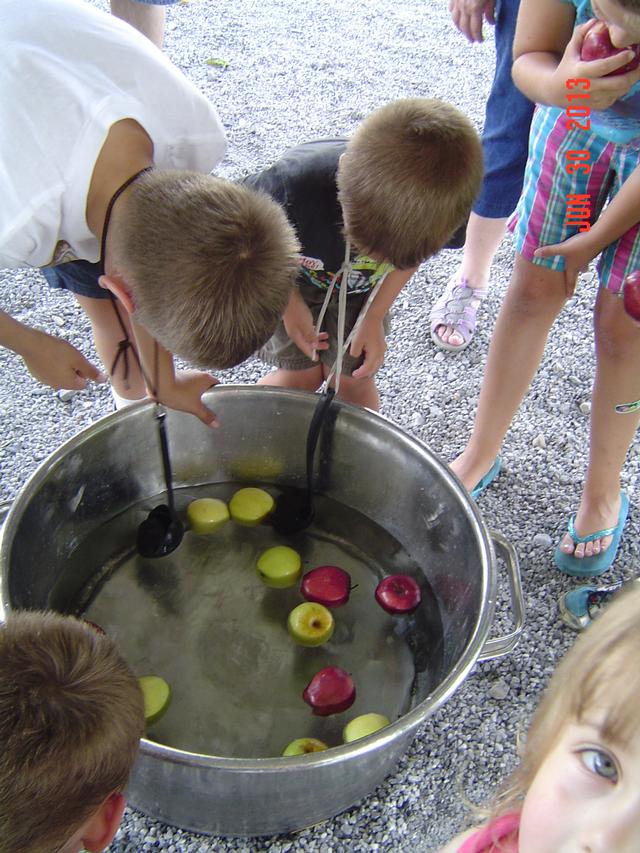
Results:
[120, 289]
[99, 831]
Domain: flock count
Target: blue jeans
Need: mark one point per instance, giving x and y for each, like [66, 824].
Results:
[505, 137]
[79, 277]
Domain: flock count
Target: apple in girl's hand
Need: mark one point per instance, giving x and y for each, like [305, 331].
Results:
[207, 514]
[398, 594]
[330, 691]
[597, 45]
[631, 295]
[327, 585]
[250, 506]
[365, 724]
[279, 566]
[157, 696]
[310, 624]
[305, 745]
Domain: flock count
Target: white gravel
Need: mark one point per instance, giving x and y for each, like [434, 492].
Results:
[313, 69]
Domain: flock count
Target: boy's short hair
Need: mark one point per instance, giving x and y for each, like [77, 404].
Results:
[71, 717]
[409, 176]
[211, 264]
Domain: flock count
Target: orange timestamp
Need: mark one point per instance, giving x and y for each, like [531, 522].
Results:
[578, 113]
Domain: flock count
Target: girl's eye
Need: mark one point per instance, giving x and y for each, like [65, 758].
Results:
[600, 763]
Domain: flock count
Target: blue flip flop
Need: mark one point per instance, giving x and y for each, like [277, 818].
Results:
[580, 605]
[488, 478]
[584, 567]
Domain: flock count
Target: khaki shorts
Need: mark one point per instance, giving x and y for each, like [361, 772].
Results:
[281, 352]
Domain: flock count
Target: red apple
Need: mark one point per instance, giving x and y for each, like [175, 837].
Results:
[398, 594]
[326, 585]
[330, 691]
[597, 45]
[631, 295]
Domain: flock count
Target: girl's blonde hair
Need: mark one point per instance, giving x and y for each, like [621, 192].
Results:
[600, 672]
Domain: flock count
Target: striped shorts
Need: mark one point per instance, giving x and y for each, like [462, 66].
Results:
[541, 217]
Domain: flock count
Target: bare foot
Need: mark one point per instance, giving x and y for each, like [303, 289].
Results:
[589, 519]
[471, 468]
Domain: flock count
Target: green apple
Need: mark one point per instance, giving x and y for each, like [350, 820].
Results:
[157, 697]
[305, 745]
[310, 624]
[365, 724]
[251, 506]
[279, 566]
[207, 514]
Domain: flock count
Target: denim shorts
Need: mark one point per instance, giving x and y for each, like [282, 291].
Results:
[541, 216]
[506, 126]
[80, 277]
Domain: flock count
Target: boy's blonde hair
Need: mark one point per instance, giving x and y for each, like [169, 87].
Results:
[600, 672]
[211, 264]
[408, 179]
[71, 717]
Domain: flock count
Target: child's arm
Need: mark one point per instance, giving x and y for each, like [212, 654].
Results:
[370, 339]
[180, 390]
[50, 360]
[546, 51]
[617, 218]
[299, 325]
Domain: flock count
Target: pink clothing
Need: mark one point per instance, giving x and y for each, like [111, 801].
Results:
[491, 838]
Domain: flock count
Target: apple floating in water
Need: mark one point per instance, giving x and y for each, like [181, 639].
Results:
[310, 624]
[398, 594]
[250, 506]
[327, 585]
[157, 697]
[365, 724]
[597, 45]
[631, 295]
[330, 691]
[207, 514]
[304, 746]
[279, 567]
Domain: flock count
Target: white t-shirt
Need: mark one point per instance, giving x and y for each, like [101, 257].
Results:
[68, 72]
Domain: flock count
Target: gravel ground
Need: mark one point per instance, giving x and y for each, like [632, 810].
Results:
[314, 69]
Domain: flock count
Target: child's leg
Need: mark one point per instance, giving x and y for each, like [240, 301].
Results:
[617, 381]
[107, 334]
[360, 392]
[306, 380]
[534, 299]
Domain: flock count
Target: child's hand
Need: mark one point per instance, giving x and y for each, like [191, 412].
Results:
[299, 325]
[185, 392]
[369, 341]
[467, 16]
[603, 91]
[577, 251]
[56, 362]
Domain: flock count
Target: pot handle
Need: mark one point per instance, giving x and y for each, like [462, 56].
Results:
[5, 506]
[496, 647]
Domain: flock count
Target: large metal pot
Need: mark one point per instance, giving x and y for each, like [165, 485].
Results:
[367, 464]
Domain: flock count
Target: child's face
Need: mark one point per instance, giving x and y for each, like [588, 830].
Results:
[586, 796]
[624, 26]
